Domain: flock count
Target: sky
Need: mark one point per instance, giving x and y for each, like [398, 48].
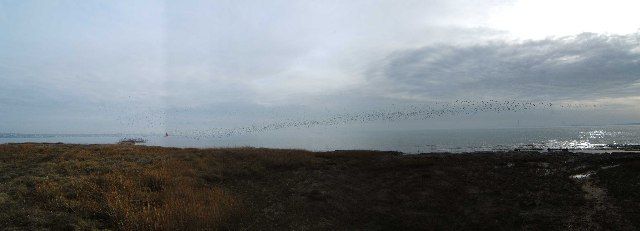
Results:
[152, 66]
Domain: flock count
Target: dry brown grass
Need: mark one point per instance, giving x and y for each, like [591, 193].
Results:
[157, 200]
[355, 154]
[129, 187]
[112, 186]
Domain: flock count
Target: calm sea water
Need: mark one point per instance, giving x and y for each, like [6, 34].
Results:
[416, 141]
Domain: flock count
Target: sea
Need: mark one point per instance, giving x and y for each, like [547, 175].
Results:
[573, 138]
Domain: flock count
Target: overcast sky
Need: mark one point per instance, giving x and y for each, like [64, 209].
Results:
[148, 66]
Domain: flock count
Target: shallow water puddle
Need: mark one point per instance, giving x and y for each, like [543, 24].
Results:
[610, 166]
[582, 176]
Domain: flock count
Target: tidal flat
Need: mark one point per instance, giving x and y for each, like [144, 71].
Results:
[133, 187]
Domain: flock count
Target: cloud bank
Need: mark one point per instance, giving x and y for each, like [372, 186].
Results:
[585, 66]
[148, 66]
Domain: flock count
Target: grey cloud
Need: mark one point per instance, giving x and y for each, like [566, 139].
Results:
[587, 66]
[220, 63]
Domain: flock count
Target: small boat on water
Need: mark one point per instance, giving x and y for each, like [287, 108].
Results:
[131, 141]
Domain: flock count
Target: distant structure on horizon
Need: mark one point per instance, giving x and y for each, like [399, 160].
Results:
[131, 141]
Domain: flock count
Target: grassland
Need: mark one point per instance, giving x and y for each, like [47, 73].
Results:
[128, 187]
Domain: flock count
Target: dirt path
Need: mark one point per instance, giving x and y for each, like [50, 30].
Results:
[599, 212]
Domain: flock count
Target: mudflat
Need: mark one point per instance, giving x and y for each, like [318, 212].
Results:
[131, 187]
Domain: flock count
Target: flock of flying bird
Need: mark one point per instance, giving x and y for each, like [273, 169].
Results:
[395, 113]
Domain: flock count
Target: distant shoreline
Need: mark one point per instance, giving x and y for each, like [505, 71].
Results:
[141, 142]
[575, 139]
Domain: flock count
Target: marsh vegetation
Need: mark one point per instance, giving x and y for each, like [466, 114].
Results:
[128, 187]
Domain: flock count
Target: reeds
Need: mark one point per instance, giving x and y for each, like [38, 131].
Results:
[111, 186]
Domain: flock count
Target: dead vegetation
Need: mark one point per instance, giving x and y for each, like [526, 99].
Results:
[109, 186]
[128, 187]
